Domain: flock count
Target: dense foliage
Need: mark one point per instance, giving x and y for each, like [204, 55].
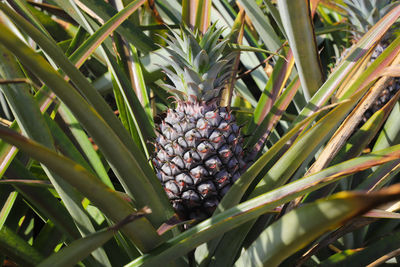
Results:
[272, 126]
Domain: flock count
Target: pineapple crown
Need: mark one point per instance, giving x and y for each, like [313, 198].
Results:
[200, 63]
[363, 14]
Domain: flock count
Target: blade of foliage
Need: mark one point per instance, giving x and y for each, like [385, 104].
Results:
[18, 249]
[134, 108]
[39, 183]
[261, 24]
[25, 110]
[309, 141]
[203, 14]
[390, 134]
[275, 85]
[7, 206]
[366, 256]
[44, 202]
[139, 85]
[80, 249]
[75, 43]
[300, 33]
[22, 8]
[273, 10]
[344, 131]
[235, 36]
[283, 237]
[187, 15]
[359, 140]
[7, 153]
[224, 14]
[142, 121]
[260, 135]
[51, 48]
[44, 98]
[379, 213]
[251, 209]
[111, 203]
[123, 111]
[343, 69]
[130, 31]
[32, 124]
[122, 161]
[235, 194]
[67, 148]
[84, 143]
[49, 238]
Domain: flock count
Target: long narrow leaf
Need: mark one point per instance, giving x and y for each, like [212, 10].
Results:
[51, 48]
[18, 249]
[30, 120]
[79, 249]
[262, 24]
[297, 22]
[111, 203]
[255, 207]
[341, 71]
[206, 251]
[301, 226]
[124, 163]
[46, 204]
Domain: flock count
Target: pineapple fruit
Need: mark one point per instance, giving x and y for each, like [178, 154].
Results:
[362, 15]
[199, 149]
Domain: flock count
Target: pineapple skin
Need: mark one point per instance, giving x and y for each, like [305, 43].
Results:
[199, 149]
[199, 155]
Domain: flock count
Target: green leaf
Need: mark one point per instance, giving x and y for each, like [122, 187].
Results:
[253, 208]
[18, 249]
[299, 227]
[368, 255]
[203, 15]
[84, 143]
[105, 11]
[80, 249]
[116, 152]
[390, 134]
[7, 206]
[44, 202]
[297, 22]
[262, 25]
[363, 136]
[29, 118]
[83, 85]
[345, 67]
[302, 148]
[267, 118]
[110, 202]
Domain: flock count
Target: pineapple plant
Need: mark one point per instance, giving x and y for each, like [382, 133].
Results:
[80, 180]
[362, 15]
[199, 149]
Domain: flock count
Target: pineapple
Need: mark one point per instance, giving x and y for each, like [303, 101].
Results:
[199, 152]
[362, 15]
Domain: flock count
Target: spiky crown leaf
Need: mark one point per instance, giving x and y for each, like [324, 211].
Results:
[200, 62]
[363, 14]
